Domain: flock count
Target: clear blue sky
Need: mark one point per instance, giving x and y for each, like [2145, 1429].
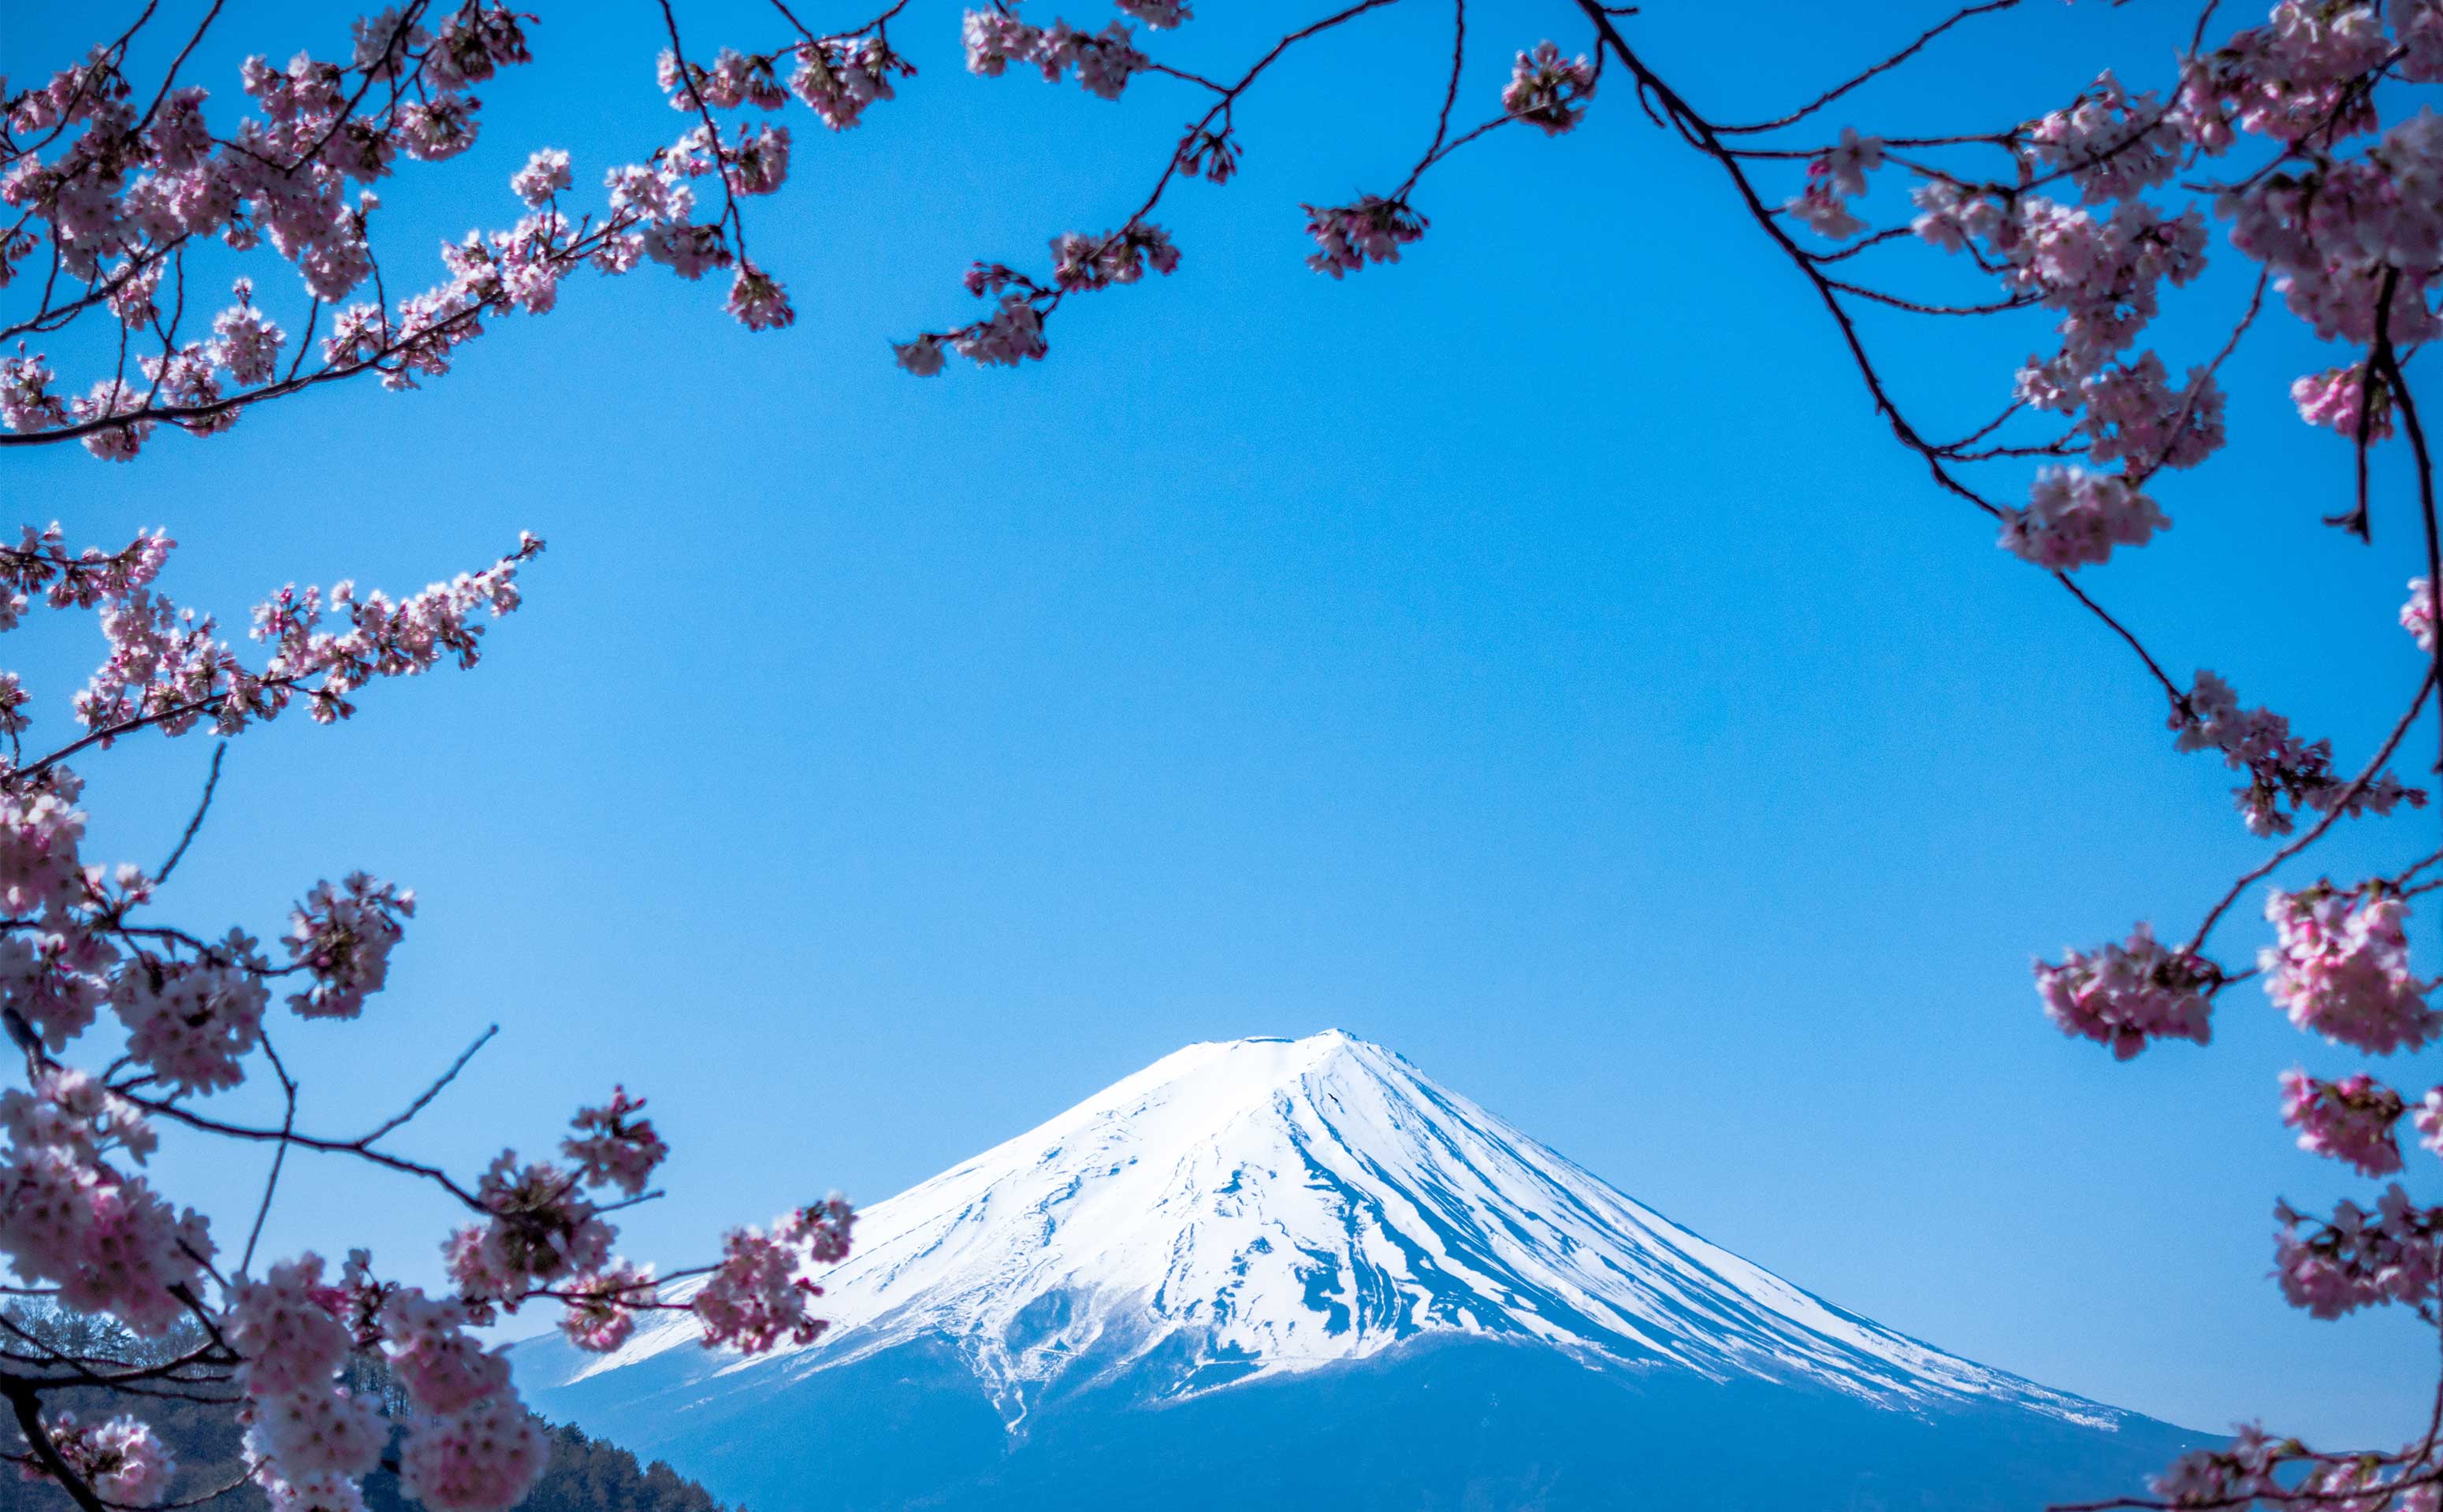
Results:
[1534, 657]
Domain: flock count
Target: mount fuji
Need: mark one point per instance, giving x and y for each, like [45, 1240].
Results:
[1303, 1274]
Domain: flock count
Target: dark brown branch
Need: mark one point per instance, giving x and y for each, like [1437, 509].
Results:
[212, 783]
[1886, 67]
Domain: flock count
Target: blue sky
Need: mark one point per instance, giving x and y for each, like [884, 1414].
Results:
[1534, 657]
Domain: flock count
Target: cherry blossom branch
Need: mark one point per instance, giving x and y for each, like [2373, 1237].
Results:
[1886, 67]
[2424, 462]
[279, 1154]
[2341, 807]
[285, 1138]
[424, 1098]
[687, 75]
[2358, 521]
[194, 822]
[1699, 133]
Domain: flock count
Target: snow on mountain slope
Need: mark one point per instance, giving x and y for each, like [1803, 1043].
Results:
[1266, 1207]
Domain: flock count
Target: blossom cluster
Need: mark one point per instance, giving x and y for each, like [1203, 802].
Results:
[759, 1296]
[1547, 91]
[2074, 518]
[40, 564]
[1347, 237]
[120, 1459]
[613, 1147]
[307, 1427]
[470, 1444]
[2355, 245]
[1835, 176]
[2112, 144]
[1102, 61]
[2339, 966]
[2350, 1121]
[2337, 397]
[74, 1216]
[838, 77]
[2133, 415]
[2359, 1257]
[343, 940]
[2339, 235]
[1011, 334]
[2128, 995]
[1082, 263]
[166, 668]
[2417, 613]
[2280, 767]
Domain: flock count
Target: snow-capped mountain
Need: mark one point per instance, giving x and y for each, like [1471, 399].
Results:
[1243, 1219]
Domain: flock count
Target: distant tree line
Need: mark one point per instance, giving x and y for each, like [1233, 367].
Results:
[584, 1474]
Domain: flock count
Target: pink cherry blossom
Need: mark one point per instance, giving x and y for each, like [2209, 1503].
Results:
[2350, 1121]
[2331, 398]
[2075, 518]
[757, 301]
[602, 1307]
[343, 939]
[121, 1459]
[2128, 995]
[2417, 613]
[1080, 260]
[1102, 62]
[613, 1147]
[1013, 333]
[1348, 237]
[1835, 176]
[822, 1228]
[2280, 767]
[922, 356]
[108, 398]
[995, 39]
[41, 828]
[2113, 144]
[442, 1366]
[288, 1329]
[481, 1459]
[2359, 1258]
[308, 1493]
[839, 78]
[545, 175]
[51, 980]
[2428, 1117]
[70, 1217]
[319, 1431]
[2230, 1475]
[193, 1021]
[1821, 208]
[1546, 91]
[2340, 967]
[541, 1228]
[1159, 14]
[755, 1298]
[2134, 417]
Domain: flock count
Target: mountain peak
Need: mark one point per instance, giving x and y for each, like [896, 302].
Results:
[1256, 1206]
[1433, 1299]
